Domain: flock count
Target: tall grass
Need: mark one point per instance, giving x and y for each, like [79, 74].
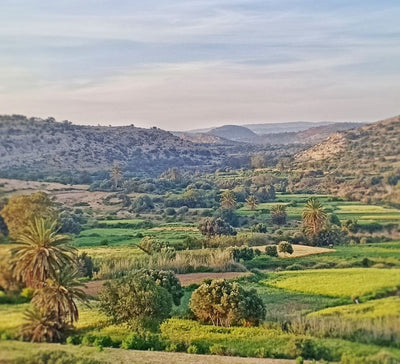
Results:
[188, 261]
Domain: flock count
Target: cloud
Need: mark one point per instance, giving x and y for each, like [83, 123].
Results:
[169, 63]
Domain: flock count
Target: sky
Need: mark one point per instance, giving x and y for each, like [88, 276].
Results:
[185, 64]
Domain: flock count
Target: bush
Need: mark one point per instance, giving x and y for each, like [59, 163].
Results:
[56, 357]
[192, 349]
[142, 341]
[285, 247]
[217, 349]
[224, 303]
[74, 340]
[244, 253]
[271, 250]
[135, 300]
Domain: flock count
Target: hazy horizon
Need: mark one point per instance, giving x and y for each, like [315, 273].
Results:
[183, 65]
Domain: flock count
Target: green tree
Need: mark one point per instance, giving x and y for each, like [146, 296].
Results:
[212, 226]
[59, 295]
[252, 202]
[314, 217]
[228, 200]
[21, 210]
[165, 279]
[285, 247]
[225, 303]
[278, 214]
[40, 252]
[135, 301]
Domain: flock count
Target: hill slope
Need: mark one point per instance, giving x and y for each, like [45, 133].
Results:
[47, 146]
[368, 158]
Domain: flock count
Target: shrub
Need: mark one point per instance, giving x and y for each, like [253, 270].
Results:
[215, 226]
[142, 341]
[74, 340]
[134, 301]
[271, 250]
[224, 303]
[259, 228]
[244, 253]
[217, 349]
[56, 357]
[192, 349]
[285, 247]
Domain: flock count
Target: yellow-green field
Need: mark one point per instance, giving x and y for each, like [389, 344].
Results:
[338, 282]
[388, 307]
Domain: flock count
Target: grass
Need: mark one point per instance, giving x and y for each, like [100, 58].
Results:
[387, 254]
[338, 282]
[388, 307]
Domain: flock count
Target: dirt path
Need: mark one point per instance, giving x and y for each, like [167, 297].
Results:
[93, 287]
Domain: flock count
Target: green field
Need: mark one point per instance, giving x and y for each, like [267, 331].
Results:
[388, 307]
[338, 282]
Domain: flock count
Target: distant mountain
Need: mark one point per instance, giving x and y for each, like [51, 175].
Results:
[290, 127]
[242, 134]
[235, 133]
[203, 138]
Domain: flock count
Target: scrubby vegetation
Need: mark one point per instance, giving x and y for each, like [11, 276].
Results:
[320, 271]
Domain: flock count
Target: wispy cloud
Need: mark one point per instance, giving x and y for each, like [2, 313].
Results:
[169, 63]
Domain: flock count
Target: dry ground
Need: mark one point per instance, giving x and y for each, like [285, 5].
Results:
[10, 350]
[300, 251]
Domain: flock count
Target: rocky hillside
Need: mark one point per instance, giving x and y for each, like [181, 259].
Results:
[363, 163]
[40, 146]
[33, 148]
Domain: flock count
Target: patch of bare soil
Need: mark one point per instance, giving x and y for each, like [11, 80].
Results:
[300, 250]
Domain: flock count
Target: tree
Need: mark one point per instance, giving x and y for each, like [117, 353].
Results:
[228, 200]
[252, 202]
[314, 217]
[40, 252]
[278, 214]
[85, 265]
[285, 247]
[135, 300]
[212, 226]
[225, 303]
[59, 294]
[165, 279]
[271, 250]
[142, 203]
[259, 228]
[40, 326]
[116, 174]
[21, 210]
[150, 245]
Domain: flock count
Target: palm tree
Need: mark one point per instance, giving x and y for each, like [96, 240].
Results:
[39, 326]
[252, 202]
[40, 252]
[116, 174]
[228, 200]
[58, 295]
[314, 217]
[278, 214]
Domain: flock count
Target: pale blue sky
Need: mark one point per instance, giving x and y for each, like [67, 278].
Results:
[191, 64]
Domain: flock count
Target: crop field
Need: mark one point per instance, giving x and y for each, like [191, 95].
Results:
[338, 282]
[388, 308]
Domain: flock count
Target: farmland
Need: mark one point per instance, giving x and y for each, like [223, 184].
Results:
[308, 294]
